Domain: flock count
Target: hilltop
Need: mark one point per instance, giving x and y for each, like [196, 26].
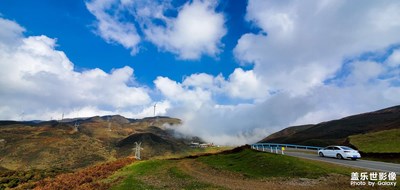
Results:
[62, 145]
[368, 128]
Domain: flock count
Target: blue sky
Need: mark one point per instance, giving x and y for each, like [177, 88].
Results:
[73, 26]
[233, 71]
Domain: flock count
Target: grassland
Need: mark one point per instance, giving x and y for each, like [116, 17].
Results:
[244, 169]
[378, 142]
[240, 168]
[260, 165]
[157, 174]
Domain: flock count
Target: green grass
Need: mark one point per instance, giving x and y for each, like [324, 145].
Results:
[253, 165]
[265, 165]
[131, 173]
[378, 142]
[165, 174]
[193, 151]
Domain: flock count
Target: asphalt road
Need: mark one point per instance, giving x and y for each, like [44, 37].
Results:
[365, 164]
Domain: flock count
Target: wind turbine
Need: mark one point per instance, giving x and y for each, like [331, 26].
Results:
[22, 116]
[155, 105]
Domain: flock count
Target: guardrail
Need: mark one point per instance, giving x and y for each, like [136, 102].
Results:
[274, 147]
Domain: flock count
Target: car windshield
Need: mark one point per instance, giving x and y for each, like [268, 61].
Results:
[346, 148]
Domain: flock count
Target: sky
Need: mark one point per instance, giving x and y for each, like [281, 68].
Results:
[234, 71]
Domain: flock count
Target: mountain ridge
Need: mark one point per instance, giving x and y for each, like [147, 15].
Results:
[65, 144]
[337, 131]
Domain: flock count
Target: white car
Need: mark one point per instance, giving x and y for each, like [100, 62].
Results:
[340, 152]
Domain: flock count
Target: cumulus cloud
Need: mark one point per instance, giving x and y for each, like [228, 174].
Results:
[301, 44]
[110, 27]
[38, 79]
[195, 31]
[11, 31]
[246, 85]
[368, 86]
[309, 66]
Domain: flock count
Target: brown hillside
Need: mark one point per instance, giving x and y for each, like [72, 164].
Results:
[337, 131]
[57, 144]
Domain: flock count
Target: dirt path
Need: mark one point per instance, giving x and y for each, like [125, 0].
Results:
[232, 180]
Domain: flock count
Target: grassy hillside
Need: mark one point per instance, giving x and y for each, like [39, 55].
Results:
[93, 177]
[264, 165]
[238, 169]
[386, 141]
[337, 131]
[286, 133]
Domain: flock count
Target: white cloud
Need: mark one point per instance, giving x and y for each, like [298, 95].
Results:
[204, 81]
[368, 86]
[246, 85]
[363, 71]
[195, 31]
[110, 27]
[238, 124]
[306, 63]
[10, 32]
[38, 79]
[394, 59]
[306, 42]
[181, 95]
[241, 85]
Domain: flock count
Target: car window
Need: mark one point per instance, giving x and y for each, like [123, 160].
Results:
[336, 148]
[346, 148]
[328, 148]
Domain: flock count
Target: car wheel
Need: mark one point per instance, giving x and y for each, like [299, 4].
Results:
[321, 154]
[339, 156]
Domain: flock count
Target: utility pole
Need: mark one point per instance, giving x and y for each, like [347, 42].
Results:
[137, 150]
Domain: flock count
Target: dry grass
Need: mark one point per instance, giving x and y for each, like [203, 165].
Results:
[88, 179]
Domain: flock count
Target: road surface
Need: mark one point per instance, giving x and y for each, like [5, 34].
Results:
[365, 164]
